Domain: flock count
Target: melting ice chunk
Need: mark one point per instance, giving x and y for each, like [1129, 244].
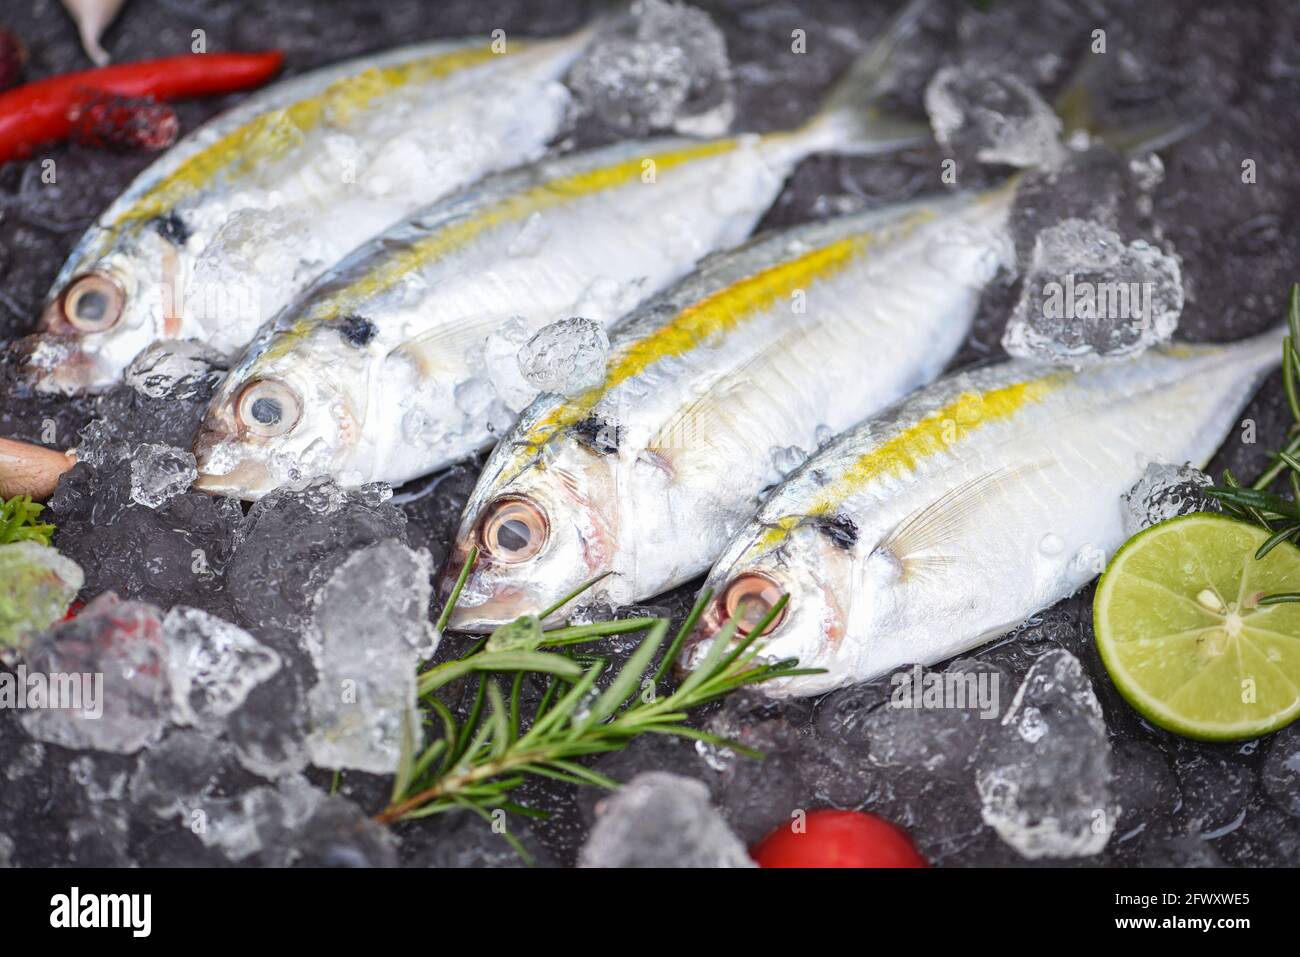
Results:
[501, 360]
[1045, 784]
[212, 666]
[661, 820]
[666, 69]
[1163, 492]
[566, 357]
[369, 629]
[994, 117]
[1088, 296]
[119, 700]
[174, 369]
[160, 473]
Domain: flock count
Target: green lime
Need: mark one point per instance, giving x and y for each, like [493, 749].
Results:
[1182, 634]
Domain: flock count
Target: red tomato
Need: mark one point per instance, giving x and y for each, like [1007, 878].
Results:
[838, 839]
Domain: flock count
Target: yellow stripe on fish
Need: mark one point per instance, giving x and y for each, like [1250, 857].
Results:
[937, 432]
[394, 267]
[711, 317]
[271, 135]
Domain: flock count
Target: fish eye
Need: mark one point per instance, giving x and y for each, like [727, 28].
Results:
[92, 302]
[267, 407]
[748, 599]
[513, 530]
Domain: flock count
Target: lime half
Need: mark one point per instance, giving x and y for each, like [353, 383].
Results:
[1182, 634]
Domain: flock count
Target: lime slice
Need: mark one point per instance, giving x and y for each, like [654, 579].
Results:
[1182, 634]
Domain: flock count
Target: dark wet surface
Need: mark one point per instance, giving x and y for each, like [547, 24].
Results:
[1234, 65]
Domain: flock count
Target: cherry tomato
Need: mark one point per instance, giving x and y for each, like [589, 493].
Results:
[838, 839]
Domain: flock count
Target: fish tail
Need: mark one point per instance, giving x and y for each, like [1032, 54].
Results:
[1077, 108]
[849, 120]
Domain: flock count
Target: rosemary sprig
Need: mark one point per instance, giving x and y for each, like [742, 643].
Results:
[1255, 503]
[18, 521]
[476, 763]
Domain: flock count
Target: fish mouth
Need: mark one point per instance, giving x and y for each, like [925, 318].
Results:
[248, 478]
[482, 606]
[51, 363]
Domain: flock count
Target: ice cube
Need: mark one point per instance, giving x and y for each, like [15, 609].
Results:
[1088, 296]
[177, 369]
[666, 69]
[369, 629]
[270, 244]
[339, 834]
[992, 116]
[937, 722]
[36, 586]
[212, 666]
[174, 776]
[661, 820]
[292, 540]
[116, 652]
[247, 823]
[566, 357]
[1045, 786]
[1163, 492]
[501, 363]
[160, 473]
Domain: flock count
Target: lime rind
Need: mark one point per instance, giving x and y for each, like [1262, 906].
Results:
[1161, 616]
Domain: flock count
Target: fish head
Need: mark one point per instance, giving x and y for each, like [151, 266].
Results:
[542, 530]
[290, 412]
[104, 309]
[813, 564]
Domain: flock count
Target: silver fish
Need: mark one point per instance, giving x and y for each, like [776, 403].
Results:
[767, 348]
[377, 373]
[221, 231]
[951, 518]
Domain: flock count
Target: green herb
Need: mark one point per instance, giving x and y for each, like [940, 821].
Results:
[476, 763]
[1278, 514]
[18, 521]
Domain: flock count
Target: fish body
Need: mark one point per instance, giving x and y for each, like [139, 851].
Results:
[590, 234]
[954, 516]
[766, 350]
[220, 232]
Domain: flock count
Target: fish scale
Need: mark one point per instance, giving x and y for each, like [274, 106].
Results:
[762, 349]
[589, 235]
[977, 502]
[313, 165]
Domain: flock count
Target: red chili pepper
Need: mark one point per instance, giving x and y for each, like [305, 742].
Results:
[73, 609]
[104, 120]
[40, 112]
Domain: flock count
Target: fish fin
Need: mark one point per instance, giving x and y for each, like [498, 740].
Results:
[706, 414]
[913, 540]
[448, 343]
[848, 119]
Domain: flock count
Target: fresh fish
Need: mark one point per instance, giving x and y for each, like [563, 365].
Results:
[220, 232]
[951, 518]
[376, 373]
[709, 389]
